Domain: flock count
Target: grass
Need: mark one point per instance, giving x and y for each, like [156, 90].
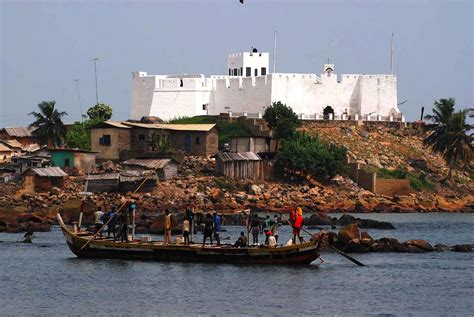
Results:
[417, 181]
[227, 130]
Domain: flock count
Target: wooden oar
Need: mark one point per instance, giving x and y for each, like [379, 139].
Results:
[347, 256]
[117, 213]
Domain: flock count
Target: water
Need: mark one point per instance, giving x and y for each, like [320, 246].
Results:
[45, 278]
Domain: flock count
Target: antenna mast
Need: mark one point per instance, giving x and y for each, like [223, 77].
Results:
[391, 55]
[274, 50]
[95, 71]
[80, 103]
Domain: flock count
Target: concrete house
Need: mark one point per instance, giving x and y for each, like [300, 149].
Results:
[124, 140]
[83, 161]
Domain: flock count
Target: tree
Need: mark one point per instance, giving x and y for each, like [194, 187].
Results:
[449, 134]
[79, 136]
[309, 155]
[100, 112]
[282, 120]
[49, 127]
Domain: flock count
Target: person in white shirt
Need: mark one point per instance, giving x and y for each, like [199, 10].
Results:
[99, 220]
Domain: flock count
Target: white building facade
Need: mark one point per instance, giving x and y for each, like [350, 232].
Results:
[249, 88]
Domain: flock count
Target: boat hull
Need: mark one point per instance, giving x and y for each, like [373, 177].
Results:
[303, 253]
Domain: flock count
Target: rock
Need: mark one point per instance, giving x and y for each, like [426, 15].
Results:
[395, 244]
[413, 249]
[462, 248]
[365, 235]
[318, 218]
[348, 233]
[374, 224]
[255, 190]
[30, 218]
[380, 246]
[421, 244]
[364, 134]
[440, 247]
[356, 246]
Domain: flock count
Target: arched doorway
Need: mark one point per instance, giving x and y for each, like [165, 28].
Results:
[328, 110]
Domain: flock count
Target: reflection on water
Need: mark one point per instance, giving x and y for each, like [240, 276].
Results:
[45, 278]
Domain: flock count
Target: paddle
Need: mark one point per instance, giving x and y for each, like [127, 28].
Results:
[347, 256]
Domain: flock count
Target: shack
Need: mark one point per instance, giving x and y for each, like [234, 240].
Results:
[22, 134]
[164, 168]
[102, 183]
[250, 144]
[43, 179]
[130, 181]
[5, 153]
[82, 161]
[7, 174]
[246, 165]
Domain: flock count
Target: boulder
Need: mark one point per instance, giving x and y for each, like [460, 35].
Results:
[348, 233]
[364, 235]
[30, 218]
[413, 249]
[319, 218]
[380, 246]
[420, 244]
[356, 246]
[395, 245]
[374, 224]
[255, 190]
[462, 248]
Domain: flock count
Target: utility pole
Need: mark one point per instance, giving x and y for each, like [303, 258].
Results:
[391, 55]
[80, 103]
[96, 90]
[274, 50]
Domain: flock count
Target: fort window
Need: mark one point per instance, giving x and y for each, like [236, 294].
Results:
[256, 72]
[204, 106]
[378, 81]
[263, 71]
[180, 83]
[235, 71]
[248, 71]
[230, 72]
[241, 71]
[105, 140]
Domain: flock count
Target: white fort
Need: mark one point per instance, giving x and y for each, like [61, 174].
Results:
[249, 87]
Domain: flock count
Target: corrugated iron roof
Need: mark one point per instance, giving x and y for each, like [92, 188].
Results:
[105, 176]
[128, 178]
[4, 148]
[12, 143]
[116, 124]
[243, 156]
[175, 127]
[31, 147]
[53, 171]
[72, 151]
[19, 132]
[148, 163]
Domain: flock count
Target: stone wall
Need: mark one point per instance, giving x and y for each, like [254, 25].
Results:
[392, 187]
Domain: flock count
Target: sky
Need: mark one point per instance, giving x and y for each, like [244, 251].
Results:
[46, 45]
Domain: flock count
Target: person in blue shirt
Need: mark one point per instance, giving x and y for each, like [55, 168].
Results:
[217, 227]
[112, 215]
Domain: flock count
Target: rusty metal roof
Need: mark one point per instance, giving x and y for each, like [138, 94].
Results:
[175, 127]
[12, 143]
[49, 171]
[31, 147]
[20, 132]
[243, 156]
[105, 176]
[4, 148]
[128, 178]
[148, 163]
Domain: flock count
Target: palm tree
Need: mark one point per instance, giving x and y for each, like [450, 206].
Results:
[449, 134]
[49, 127]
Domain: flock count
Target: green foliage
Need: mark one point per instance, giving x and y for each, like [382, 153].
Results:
[226, 129]
[311, 156]
[450, 134]
[159, 143]
[77, 137]
[282, 120]
[100, 112]
[50, 128]
[225, 184]
[193, 120]
[417, 181]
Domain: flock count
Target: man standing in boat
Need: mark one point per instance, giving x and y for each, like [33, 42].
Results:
[255, 227]
[208, 229]
[217, 227]
[99, 221]
[297, 225]
[167, 227]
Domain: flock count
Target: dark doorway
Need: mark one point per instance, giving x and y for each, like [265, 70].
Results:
[187, 142]
[328, 110]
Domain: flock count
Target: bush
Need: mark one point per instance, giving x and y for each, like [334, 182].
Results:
[417, 181]
[309, 155]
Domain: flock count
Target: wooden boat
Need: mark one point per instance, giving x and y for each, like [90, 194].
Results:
[79, 244]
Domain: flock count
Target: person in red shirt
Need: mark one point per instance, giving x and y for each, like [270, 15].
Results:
[297, 224]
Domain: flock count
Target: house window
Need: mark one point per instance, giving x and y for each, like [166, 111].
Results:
[248, 71]
[141, 137]
[66, 162]
[256, 72]
[198, 140]
[264, 71]
[105, 140]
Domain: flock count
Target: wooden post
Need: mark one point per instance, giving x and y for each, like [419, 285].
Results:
[248, 228]
[80, 221]
[133, 224]
[192, 226]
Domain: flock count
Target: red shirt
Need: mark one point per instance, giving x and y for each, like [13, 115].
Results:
[299, 221]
